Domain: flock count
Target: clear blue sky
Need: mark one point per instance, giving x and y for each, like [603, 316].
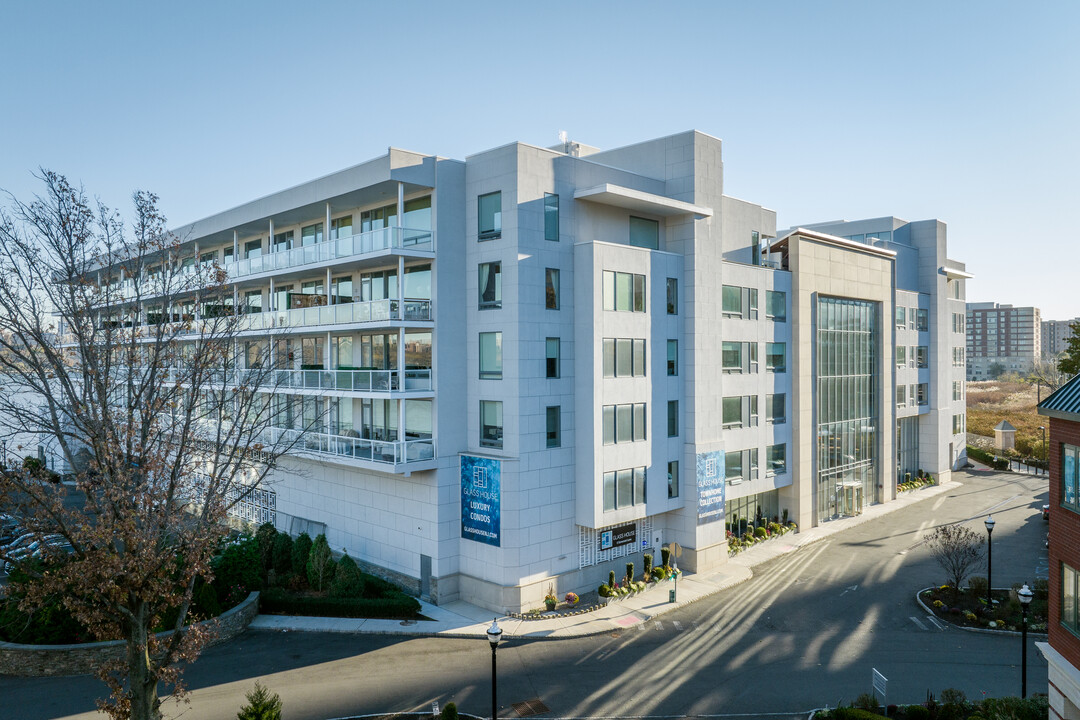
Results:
[964, 111]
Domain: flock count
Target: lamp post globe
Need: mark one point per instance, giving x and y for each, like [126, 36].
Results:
[1024, 595]
[494, 635]
[989, 523]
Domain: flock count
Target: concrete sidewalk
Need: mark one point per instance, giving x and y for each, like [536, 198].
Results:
[460, 619]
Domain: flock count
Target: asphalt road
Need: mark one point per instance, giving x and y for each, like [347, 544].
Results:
[804, 632]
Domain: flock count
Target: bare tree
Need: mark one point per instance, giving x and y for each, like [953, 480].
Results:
[1047, 373]
[957, 549]
[120, 351]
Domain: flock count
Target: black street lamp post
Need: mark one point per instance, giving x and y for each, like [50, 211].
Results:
[989, 523]
[1046, 450]
[1024, 594]
[494, 634]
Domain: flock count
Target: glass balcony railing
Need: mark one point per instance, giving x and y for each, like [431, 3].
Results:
[344, 446]
[346, 380]
[389, 238]
[355, 312]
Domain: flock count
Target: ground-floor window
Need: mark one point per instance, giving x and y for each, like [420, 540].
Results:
[744, 514]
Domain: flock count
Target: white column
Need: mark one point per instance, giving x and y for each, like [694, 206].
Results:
[329, 298]
[401, 286]
[401, 204]
[235, 245]
[270, 305]
[326, 228]
[326, 353]
[270, 242]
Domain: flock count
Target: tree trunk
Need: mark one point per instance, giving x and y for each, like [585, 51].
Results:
[142, 683]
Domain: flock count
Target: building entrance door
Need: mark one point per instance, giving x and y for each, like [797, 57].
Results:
[850, 500]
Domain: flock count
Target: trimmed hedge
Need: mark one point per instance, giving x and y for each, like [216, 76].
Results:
[987, 458]
[396, 606]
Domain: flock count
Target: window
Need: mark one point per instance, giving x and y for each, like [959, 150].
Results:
[957, 390]
[489, 216]
[958, 357]
[624, 357]
[491, 356]
[551, 366]
[901, 395]
[775, 460]
[207, 258]
[731, 356]
[901, 356]
[253, 301]
[672, 357]
[551, 293]
[776, 409]
[958, 424]
[672, 296]
[644, 233]
[551, 217]
[755, 247]
[490, 284]
[624, 423]
[1070, 477]
[911, 318]
[341, 228]
[491, 423]
[554, 432]
[776, 357]
[922, 396]
[922, 357]
[733, 412]
[673, 479]
[609, 491]
[922, 318]
[776, 305]
[733, 467]
[1068, 598]
[732, 301]
[958, 322]
[673, 418]
[252, 249]
[624, 488]
[624, 292]
[954, 289]
[901, 316]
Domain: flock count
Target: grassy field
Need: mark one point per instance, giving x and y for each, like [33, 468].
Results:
[991, 401]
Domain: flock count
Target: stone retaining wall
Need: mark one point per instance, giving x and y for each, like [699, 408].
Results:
[85, 658]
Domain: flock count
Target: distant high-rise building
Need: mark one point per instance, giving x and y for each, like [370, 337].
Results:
[1055, 335]
[1002, 339]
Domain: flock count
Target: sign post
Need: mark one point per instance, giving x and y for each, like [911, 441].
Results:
[880, 682]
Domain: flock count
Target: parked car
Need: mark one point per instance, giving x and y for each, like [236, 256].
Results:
[35, 549]
[20, 541]
[9, 528]
[1046, 513]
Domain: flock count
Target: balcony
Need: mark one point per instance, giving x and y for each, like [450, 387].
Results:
[364, 381]
[383, 239]
[387, 310]
[417, 454]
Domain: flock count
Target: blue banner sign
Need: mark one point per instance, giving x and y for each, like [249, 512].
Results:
[480, 479]
[711, 487]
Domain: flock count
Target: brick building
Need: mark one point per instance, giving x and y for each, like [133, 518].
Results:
[1063, 651]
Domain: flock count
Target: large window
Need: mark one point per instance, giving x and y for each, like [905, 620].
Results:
[490, 284]
[1070, 477]
[740, 411]
[491, 355]
[1070, 616]
[624, 488]
[901, 355]
[776, 305]
[922, 395]
[644, 233]
[922, 357]
[624, 292]
[672, 296]
[551, 288]
[776, 460]
[776, 357]
[739, 357]
[624, 357]
[673, 479]
[957, 390]
[901, 316]
[489, 220]
[776, 409]
[755, 247]
[959, 424]
[491, 423]
[901, 396]
[922, 320]
[551, 362]
[672, 357]
[554, 430]
[740, 302]
[252, 249]
[551, 216]
[733, 467]
[624, 423]
[673, 418]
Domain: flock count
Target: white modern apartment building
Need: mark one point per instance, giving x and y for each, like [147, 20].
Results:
[928, 340]
[535, 364]
[1002, 339]
[1055, 336]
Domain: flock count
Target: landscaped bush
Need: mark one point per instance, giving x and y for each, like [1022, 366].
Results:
[348, 580]
[917, 712]
[659, 574]
[320, 564]
[236, 570]
[204, 601]
[265, 537]
[301, 550]
[852, 713]
[398, 606]
[282, 554]
[449, 712]
[761, 533]
[866, 701]
[630, 572]
[987, 458]
[648, 565]
[977, 586]
[261, 705]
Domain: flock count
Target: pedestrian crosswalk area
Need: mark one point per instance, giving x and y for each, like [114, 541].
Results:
[928, 623]
[925, 623]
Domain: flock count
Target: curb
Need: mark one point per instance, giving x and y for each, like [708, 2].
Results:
[984, 631]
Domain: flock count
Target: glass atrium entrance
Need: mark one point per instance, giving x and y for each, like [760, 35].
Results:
[847, 404]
